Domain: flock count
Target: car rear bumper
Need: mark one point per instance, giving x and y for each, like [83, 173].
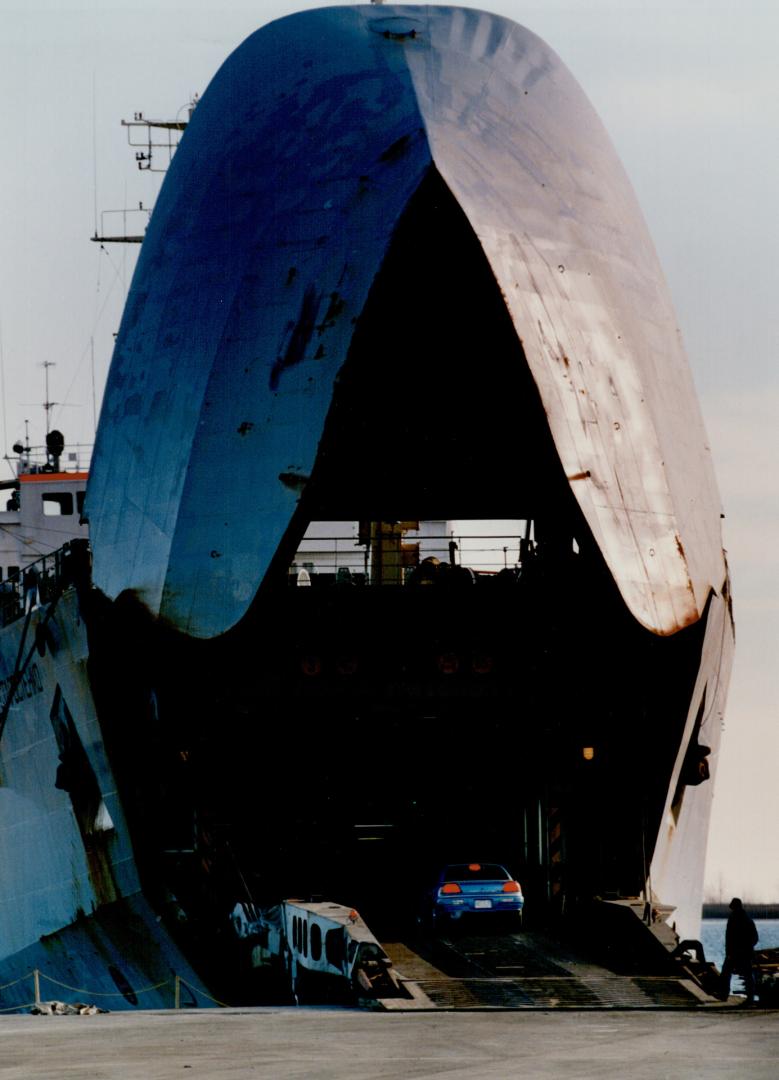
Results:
[478, 905]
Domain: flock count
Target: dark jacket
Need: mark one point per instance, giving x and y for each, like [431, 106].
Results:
[740, 935]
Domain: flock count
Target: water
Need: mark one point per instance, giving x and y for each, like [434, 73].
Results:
[713, 938]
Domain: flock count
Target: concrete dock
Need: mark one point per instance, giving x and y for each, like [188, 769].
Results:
[329, 1044]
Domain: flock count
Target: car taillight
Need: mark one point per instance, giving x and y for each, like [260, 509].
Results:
[512, 886]
[450, 888]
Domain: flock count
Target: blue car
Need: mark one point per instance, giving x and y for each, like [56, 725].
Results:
[474, 889]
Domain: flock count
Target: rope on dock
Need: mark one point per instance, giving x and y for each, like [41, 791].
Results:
[103, 993]
[175, 983]
[197, 990]
[5, 986]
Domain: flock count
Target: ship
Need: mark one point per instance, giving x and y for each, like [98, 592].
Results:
[397, 334]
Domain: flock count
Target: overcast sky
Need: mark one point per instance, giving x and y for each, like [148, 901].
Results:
[689, 91]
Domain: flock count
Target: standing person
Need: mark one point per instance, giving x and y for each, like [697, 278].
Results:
[740, 940]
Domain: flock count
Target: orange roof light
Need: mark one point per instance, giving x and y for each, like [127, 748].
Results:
[450, 888]
[474, 866]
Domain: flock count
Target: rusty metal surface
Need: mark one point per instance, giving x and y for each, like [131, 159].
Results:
[272, 224]
[679, 857]
[530, 163]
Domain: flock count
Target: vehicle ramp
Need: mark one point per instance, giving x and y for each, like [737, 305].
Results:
[530, 971]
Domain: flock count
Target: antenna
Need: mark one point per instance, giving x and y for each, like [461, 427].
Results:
[94, 149]
[94, 405]
[48, 405]
[2, 388]
[55, 442]
[143, 135]
[149, 141]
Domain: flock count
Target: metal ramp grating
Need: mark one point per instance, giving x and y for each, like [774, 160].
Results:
[554, 992]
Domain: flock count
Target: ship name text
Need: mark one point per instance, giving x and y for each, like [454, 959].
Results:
[31, 683]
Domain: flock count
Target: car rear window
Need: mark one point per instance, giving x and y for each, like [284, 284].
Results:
[475, 872]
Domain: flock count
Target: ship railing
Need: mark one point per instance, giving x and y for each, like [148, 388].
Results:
[41, 581]
[75, 458]
[400, 559]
